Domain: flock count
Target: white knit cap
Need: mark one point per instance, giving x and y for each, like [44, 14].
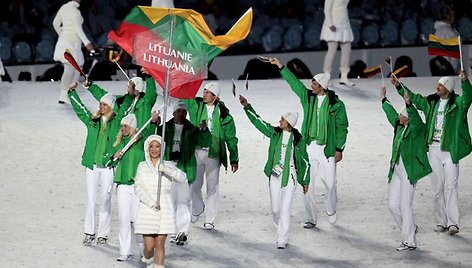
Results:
[447, 82]
[180, 105]
[213, 88]
[322, 79]
[291, 118]
[404, 112]
[108, 99]
[138, 83]
[129, 120]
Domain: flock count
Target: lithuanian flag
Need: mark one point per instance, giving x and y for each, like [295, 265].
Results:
[401, 72]
[145, 34]
[444, 47]
[372, 71]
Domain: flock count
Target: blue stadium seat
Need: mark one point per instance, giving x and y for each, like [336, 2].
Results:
[22, 52]
[5, 49]
[370, 35]
[293, 37]
[44, 51]
[312, 37]
[255, 36]
[409, 32]
[389, 33]
[272, 40]
[464, 26]
[356, 31]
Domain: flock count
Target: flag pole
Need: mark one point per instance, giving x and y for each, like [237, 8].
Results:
[166, 100]
[381, 73]
[460, 52]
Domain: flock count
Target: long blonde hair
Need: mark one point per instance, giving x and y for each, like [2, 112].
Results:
[119, 137]
[97, 115]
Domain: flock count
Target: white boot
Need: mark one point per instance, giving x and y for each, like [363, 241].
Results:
[344, 81]
[149, 262]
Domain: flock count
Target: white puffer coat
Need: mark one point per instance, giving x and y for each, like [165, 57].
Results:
[68, 25]
[148, 220]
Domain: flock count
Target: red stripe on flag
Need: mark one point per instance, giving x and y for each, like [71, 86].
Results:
[441, 52]
[124, 35]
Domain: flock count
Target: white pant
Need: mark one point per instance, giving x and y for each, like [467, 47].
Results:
[400, 203]
[325, 169]
[329, 57]
[102, 177]
[127, 212]
[210, 167]
[444, 183]
[181, 197]
[281, 204]
[69, 76]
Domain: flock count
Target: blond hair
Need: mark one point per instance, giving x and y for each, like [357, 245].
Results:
[119, 137]
[97, 115]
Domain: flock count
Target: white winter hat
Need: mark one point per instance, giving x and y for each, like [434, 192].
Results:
[213, 88]
[322, 79]
[138, 83]
[108, 99]
[180, 105]
[447, 82]
[291, 118]
[404, 112]
[129, 120]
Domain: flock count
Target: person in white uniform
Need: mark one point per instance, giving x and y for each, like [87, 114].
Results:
[212, 153]
[337, 29]
[449, 141]
[325, 128]
[68, 25]
[408, 164]
[287, 163]
[155, 220]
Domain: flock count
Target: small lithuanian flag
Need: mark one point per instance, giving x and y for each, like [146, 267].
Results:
[444, 47]
[401, 72]
[372, 71]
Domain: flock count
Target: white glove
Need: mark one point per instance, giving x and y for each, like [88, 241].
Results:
[156, 207]
[165, 169]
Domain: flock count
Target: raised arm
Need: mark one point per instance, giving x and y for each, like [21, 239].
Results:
[79, 108]
[466, 98]
[414, 119]
[151, 93]
[256, 120]
[295, 84]
[418, 100]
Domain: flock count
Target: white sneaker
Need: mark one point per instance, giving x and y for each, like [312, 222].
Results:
[181, 239]
[309, 225]
[124, 258]
[173, 239]
[346, 83]
[332, 218]
[404, 246]
[281, 245]
[209, 225]
[88, 240]
[440, 229]
[452, 229]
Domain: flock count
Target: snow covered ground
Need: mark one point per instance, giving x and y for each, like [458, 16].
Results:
[42, 190]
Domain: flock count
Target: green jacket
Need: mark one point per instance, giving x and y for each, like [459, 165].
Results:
[455, 135]
[337, 121]
[93, 128]
[302, 165]
[412, 146]
[191, 137]
[143, 106]
[128, 163]
[224, 126]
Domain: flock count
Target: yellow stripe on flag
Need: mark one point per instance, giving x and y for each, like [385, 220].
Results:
[446, 42]
[400, 70]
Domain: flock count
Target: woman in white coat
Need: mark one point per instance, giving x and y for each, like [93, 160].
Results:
[155, 220]
[337, 29]
[68, 25]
